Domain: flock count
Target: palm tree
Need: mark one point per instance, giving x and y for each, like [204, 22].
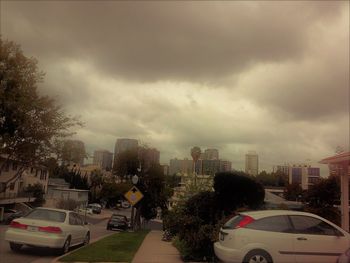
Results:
[195, 153]
[96, 180]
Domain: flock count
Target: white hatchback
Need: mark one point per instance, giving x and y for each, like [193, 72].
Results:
[47, 227]
[280, 236]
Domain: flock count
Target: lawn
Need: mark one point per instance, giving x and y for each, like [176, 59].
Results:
[119, 247]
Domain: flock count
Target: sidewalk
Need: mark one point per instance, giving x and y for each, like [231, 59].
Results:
[154, 250]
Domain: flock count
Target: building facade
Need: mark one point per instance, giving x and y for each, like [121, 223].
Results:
[210, 154]
[104, 159]
[15, 188]
[252, 163]
[125, 144]
[303, 174]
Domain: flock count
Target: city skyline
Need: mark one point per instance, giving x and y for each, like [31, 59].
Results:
[272, 77]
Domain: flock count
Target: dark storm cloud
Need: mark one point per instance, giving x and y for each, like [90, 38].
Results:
[191, 41]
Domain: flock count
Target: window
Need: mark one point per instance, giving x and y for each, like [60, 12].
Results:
[78, 219]
[12, 186]
[47, 214]
[14, 166]
[313, 226]
[272, 223]
[233, 222]
[7, 167]
[36, 173]
[72, 220]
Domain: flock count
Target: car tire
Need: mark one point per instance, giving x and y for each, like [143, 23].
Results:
[15, 247]
[87, 239]
[65, 247]
[258, 256]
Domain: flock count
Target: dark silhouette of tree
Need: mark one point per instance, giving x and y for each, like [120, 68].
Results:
[29, 122]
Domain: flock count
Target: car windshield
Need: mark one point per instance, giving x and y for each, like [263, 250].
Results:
[46, 214]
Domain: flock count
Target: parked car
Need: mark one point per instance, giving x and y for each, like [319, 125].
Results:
[280, 236]
[48, 227]
[125, 204]
[86, 210]
[96, 208]
[345, 257]
[118, 222]
[10, 214]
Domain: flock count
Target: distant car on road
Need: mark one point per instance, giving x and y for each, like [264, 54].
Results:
[125, 204]
[96, 208]
[48, 227]
[118, 222]
[86, 210]
[280, 236]
[10, 214]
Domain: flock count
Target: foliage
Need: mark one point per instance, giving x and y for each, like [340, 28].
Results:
[272, 179]
[152, 185]
[73, 151]
[233, 191]
[38, 193]
[67, 204]
[126, 163]
[96, 180]
[322, 197]
[76, 180]
[293, 192]
[111, 192]
[29, 122]
[197, 221]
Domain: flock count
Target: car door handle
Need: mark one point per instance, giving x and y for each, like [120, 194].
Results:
[301, 238]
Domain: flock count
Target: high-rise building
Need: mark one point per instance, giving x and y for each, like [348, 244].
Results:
[225, 166]
[210, 154]
[303, 174]
[184, 166]
[73, 152]
[252, 163]
[148, 156]
[124, 144]
[104, 159]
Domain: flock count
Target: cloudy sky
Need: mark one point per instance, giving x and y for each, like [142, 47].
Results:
[272, 77]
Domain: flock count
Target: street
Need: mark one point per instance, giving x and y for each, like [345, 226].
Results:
[44, 255]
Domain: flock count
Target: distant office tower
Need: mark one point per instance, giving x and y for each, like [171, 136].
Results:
[303, 174]
[165, 169]
[281, 169]
[73, 152]
[148, 156]
[124, 144]
[225, 166]
[252, 163]
[103, 158]
[180, 166]
[210, 154]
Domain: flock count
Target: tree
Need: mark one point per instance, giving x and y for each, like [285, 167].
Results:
[234, 191]
[37, 191]
[73, 151]
[293, 192]
[126, 163]
[96, 181]
[323, 197]
[29, 122]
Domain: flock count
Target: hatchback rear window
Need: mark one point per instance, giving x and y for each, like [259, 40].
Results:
[273, 224]
[233, 222]
[46, 214]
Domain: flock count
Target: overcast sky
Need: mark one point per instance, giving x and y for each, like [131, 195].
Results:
[272, 77]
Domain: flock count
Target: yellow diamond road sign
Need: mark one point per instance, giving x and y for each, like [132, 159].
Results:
[133, 195]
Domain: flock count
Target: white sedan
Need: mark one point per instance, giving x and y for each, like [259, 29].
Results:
[280, 236]
[48, 227]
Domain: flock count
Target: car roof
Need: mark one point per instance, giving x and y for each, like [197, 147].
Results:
[54, 209]
[266, 213]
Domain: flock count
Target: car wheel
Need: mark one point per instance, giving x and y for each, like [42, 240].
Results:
[15, 247]
[87, 239]
[66, 246]
[257, 256]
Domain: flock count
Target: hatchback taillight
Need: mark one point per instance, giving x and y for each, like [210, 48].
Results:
[50, 229]
[246, 220]
[16, 224]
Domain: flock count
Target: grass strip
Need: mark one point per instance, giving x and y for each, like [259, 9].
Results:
[119, 247]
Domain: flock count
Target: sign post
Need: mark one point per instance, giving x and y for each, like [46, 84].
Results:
[134, 195]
